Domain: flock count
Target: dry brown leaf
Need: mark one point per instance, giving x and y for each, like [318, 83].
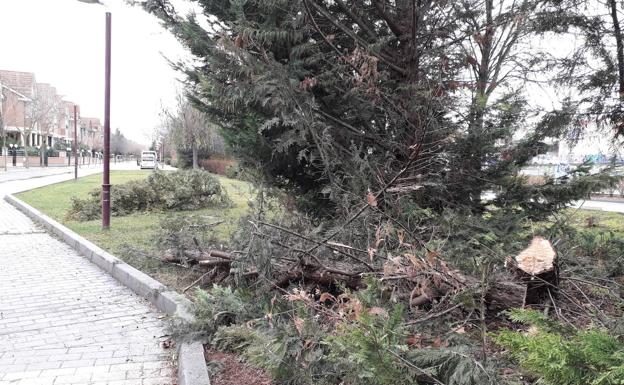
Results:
[401, 236]
[378, 311]
[307, 344]
[298, 295]
[414, 260]
[414, 340]
[432, 256]
[378, 237]
[371, 253]
[438, 343]
[370, 198]
[240, 42]
[459, 330]
[307, 83]
[326, 297]
[298, 324]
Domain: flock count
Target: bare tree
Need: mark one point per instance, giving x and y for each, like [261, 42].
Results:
[189, 128]
[40, 113]
[11, 113]
[49, 121]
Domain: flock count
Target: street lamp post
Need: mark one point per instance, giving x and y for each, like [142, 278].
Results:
[106, 157]
[75, 143]
[106, 175]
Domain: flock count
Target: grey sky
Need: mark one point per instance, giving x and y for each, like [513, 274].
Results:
[62, 42]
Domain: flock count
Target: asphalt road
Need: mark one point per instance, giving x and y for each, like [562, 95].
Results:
[22, 179]
[616, 207]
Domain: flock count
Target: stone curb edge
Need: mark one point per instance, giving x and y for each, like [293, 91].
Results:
[192, 368]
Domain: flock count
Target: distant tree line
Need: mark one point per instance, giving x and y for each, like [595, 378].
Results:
[120, 145]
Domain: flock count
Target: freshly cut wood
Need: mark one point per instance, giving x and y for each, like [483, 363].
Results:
[537, 268]
[538, 258]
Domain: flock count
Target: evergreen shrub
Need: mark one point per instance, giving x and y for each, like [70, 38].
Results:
[559, 356]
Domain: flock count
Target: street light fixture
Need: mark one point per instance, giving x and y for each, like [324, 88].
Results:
[106, 158]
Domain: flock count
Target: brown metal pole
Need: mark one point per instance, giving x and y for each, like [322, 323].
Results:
[106, 175]
[75, 144]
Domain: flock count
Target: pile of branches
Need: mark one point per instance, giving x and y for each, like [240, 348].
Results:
[160, 191]
[281, 256]
[287, 260]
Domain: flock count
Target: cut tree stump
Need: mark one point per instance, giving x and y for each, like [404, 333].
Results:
[537, 267]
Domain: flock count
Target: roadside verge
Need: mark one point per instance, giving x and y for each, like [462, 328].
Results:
[192, 368]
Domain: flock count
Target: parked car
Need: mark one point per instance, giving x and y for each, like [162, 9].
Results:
[149, 160]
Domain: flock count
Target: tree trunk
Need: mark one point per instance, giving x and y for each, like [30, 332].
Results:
[44, 149]
[620, 47]
[536, 266]
[474, 151]
[502, 292]
[195, 164]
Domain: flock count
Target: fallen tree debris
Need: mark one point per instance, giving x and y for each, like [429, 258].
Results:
[423, 280]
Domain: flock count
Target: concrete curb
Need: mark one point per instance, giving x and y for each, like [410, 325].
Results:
[192, 368]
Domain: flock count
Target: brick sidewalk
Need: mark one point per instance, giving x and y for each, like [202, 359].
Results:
[64, 321]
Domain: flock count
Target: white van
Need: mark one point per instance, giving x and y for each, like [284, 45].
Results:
[149, 159]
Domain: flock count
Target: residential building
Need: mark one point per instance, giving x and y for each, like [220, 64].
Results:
[12, 108]
[17, 92]
[91, 133]
[34, 113]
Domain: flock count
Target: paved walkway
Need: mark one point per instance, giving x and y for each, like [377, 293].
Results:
[65, 321]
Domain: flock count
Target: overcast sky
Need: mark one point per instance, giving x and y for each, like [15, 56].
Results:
[62, 42]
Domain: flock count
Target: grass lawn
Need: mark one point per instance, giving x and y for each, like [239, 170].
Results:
[131, 237]
[599, 220]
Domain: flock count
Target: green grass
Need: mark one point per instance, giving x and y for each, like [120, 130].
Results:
[131, 237]
[600, 220]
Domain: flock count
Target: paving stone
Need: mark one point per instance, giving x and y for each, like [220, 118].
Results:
[65, 321]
